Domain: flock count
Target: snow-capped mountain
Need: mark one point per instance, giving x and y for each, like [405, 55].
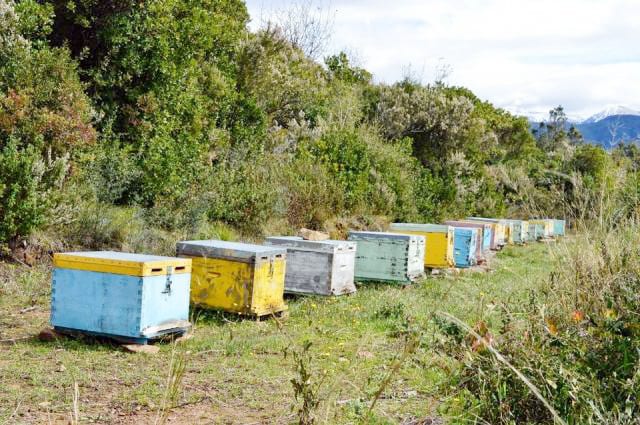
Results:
[610, 111]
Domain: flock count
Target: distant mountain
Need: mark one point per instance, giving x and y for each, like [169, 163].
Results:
[611, 111]
[613, 125]
[611, 130]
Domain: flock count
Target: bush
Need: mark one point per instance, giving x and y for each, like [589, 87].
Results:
[44, 120]
[26, 183]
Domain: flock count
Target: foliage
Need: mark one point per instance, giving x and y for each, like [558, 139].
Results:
[576, 341]
[44, 120]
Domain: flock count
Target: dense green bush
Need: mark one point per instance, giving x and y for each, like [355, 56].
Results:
[44, 120]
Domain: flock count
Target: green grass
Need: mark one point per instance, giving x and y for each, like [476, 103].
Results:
[236, 370]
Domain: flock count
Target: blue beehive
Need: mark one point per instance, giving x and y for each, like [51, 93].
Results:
[464, 246]
[559, 227]
[131, 297]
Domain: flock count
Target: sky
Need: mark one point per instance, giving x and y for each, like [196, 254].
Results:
[524, 56]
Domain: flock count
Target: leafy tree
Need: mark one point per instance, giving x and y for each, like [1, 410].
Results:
[44, 119]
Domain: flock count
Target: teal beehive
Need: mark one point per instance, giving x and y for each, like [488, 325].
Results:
[389, 257]
[130, 297]
[519, 231]
[535, 232]
[465, 241]
[559, 227]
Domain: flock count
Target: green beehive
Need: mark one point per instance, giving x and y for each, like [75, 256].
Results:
[389, 257]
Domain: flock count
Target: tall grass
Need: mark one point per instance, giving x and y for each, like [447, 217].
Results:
[576, 341]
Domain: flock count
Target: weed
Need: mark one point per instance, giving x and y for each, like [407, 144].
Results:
[306, 389]
[177, 369]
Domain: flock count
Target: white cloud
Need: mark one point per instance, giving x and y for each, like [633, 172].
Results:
[520, 55]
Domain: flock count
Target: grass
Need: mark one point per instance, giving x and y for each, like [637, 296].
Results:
[235, 371]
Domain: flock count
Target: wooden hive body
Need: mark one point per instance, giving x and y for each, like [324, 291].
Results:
[130, 297]
[464, 246]
[547, 226]
[503, 230]
[520, 228]
[438, 242]
[496, 234]
[317, 267]
[559, 227]
[484, 235]
[536, 231]
[391, 257]
[236, 277]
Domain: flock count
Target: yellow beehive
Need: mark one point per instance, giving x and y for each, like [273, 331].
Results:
[438, 242]
[236, 277]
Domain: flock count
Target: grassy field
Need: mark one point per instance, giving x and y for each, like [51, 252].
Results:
[235, 371]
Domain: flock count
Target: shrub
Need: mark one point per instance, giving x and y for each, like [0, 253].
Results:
[44, 120]
[26, 183]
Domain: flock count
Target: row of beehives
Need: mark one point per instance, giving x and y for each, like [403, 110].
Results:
[140, 297]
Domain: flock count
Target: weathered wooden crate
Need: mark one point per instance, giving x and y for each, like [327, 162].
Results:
[484, 236]
[317, 267]
[559, 227]
[438, 242]
[500, 230]
[464, 246]
[236, 277]
[388, 257]
[130, 297]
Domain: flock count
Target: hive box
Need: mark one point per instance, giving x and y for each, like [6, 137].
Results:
[236, 277]
[536, 231]
[438, 242]
[317, 267]
[389, 257]
[547, 226]
[484, 236]
[559, 227]
[520, 230]
[465, 244]
[499, 231]
[131, 297]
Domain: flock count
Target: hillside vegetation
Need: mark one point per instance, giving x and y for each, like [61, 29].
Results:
[131, 125]
[126, 124]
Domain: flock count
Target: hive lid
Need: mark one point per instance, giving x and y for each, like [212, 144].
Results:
[384, 235]
[296, 242]
[462, 223]
[121, 263]
[415, 227]
[230, 250]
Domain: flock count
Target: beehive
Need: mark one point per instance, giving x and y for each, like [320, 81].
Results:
[535, 232]
[438, 242]
[500, 236]
[520, 229]
[236, 277]
[559, 227]
[317, 267]
[464, 246]
[547, 225]
[484, 236]
[389, 257]
[131, 297]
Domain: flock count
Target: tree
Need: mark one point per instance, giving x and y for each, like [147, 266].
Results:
[306, 25]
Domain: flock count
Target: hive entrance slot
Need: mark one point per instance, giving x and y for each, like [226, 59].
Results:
[264, 258]
[155, 270]
[180, 268]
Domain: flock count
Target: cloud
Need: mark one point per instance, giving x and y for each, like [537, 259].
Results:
[520, 55]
